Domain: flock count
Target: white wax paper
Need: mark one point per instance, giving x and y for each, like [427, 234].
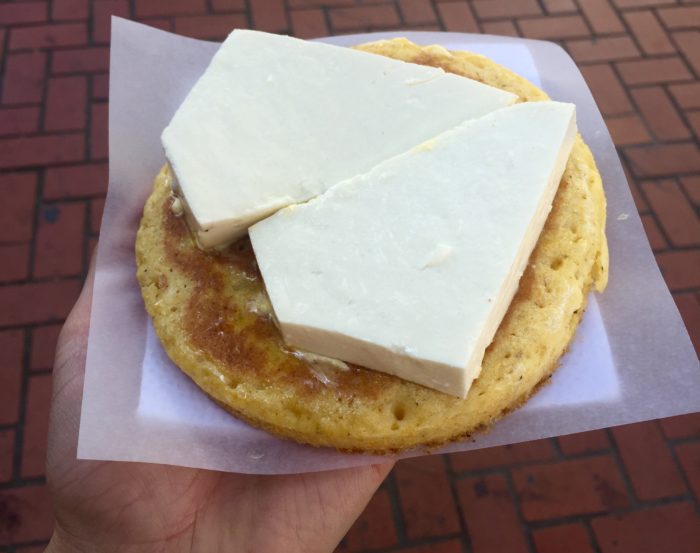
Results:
[631, 358]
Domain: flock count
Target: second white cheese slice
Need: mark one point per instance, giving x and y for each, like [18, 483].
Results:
[409, 268]
[275, 120]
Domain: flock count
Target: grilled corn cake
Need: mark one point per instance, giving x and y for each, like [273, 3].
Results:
[214, 320]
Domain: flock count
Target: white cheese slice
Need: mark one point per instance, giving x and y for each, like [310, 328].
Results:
[275, 120]
[409, 268]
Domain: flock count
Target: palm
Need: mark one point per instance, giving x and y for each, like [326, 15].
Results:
[144, 507]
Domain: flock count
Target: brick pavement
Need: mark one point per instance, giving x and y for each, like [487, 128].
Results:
[630, 489]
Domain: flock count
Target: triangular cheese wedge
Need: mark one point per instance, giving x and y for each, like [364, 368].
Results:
[275, 120]
[409, 268]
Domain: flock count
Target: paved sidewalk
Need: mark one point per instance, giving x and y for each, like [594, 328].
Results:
[633, 489]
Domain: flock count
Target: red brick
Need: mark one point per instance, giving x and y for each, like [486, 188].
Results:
[675, 214]
[648, 461]
[602, 49]
[689, 44]
[689, 308]
[37, 302]
[269, 15]
[525, 452]
[18, 120]
[560, 6]
[457, 17]
[96, 208]
[7, 452]
[417, 11]
[24, 78]
[36, 426]
[75, 181]
[425, 497]
[607, 89]
[490, 516]
[664, 159]
[92, 244]
[602, 16]
[663, 119]
[146, 8]
[692, 188]
[364, 17]
[59, 241]
[100, 86]
[373, 529]
[99, 145]
[102, 11]
[639, 202]
[680, 17]
[432, 28]
[505, 8]
[48, 36]
[22, 12]
[563, 26]
[213, 27]
[641, 3]
[649, 33]
[11, 352]
[14, 262]
[84, 60]
[694, 120]
[228, 5]
[680, 268]
[69, 9]
[3, 32]
[650, 71]
[451, 546]
[566, 538]
[584, 442]
[674, 527]
[653, 232]
[158, 22]
[682, 426]
[18, 191]
[66, 104]
[44, 339]
[323, 3]
[26, 515]
[574, 487]
[40, 150]
[689, 457]
[504, 28]
[308, 23]
[627, 129]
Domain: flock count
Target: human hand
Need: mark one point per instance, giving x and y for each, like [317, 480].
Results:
[103, 506]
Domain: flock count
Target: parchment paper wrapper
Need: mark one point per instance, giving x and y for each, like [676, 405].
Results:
[631, 359]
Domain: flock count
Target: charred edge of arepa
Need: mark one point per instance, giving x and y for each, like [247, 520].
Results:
[184, 362]
[481, 428]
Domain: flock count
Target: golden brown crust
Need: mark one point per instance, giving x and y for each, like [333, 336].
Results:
[213, 318]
